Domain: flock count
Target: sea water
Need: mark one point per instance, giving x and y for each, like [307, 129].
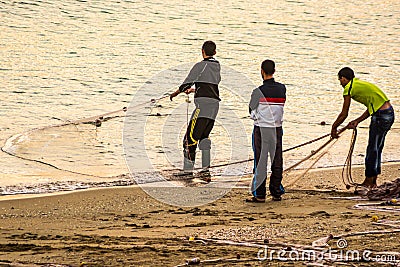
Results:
[64, 61]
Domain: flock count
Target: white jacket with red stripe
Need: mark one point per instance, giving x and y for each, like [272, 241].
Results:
[267, 104]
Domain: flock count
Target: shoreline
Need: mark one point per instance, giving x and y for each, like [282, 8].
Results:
[356, 169]
[55, 194]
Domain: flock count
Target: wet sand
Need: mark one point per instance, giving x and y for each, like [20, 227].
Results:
[125, 227]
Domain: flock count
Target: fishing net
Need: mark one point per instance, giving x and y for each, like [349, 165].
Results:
[94, 146]
[387, 190]
[88, 146]
[134, 144]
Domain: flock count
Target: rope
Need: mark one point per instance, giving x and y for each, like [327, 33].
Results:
[285, 150]
[54, 166]
[331, 140]
[346, 171]
[309, 156]
[102, 117]
[307, 143]
[187, 128]
[92, 120]
[312, 165]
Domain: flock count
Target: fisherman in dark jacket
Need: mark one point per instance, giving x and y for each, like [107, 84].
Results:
[203, 80]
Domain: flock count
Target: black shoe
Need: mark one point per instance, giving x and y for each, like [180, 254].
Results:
[183, 173]
[255, 200]
[204, 175]
[276, 198]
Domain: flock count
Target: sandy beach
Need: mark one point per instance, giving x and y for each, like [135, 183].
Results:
[125, 227]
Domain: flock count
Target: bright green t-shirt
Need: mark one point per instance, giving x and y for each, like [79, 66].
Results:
[366, 93]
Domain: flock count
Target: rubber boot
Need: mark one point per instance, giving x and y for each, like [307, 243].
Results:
[205, 165]
[205, 159]
[188, 164]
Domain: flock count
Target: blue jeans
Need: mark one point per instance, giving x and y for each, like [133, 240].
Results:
[381, 122]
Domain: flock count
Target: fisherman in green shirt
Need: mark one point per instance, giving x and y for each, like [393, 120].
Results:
[382, 118]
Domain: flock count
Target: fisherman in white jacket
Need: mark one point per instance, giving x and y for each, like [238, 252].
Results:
[266, 109]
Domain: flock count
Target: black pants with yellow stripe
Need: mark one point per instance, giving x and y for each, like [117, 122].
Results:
[199, 128]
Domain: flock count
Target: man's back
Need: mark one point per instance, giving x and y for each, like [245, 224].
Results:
[206, 75]
[267, 103]
[366, 93]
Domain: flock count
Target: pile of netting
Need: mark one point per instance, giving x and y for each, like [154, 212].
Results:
[387, 190]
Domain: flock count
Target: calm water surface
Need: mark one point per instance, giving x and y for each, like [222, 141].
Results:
[63, 61]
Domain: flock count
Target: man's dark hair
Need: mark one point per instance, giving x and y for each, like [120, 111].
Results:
[268, 66]
[347, 73]
[209, 48]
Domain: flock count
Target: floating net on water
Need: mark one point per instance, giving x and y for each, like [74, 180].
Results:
[94, 146]
[87, 146]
